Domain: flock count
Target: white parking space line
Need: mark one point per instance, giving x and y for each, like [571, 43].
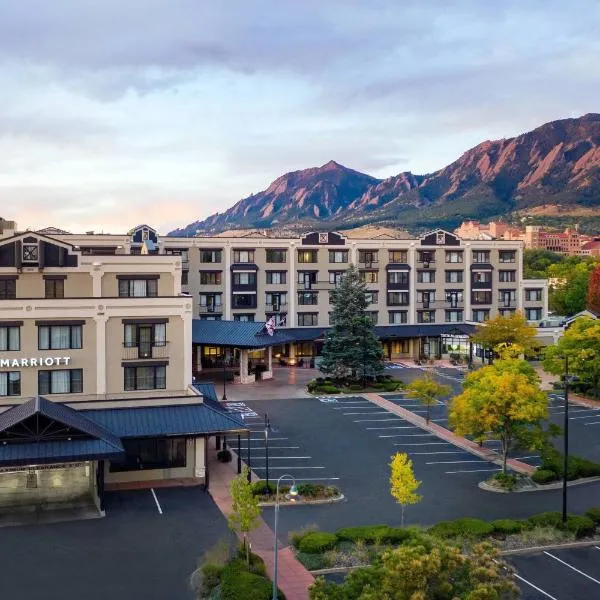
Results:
[593, 423]
[571, 567]
[407, 435]
[262, 439]
[381, 412]
[282, 457]
[426, 444]
[586, 417]
[401, 427]
[472, 471]
[317, 478]
[441, 452]
[535, 587]
[158, 506]
[377, 420]
[283, 468]
[454, 462]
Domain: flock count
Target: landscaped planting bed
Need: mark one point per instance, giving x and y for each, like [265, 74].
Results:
[356, 546]
[326, 385]
[307, 492]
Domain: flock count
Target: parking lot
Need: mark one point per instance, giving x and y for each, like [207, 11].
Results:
[134, 552]
[350, 441]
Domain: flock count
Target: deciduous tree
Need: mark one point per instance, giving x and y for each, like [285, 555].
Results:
[427, 390]
[581, 344]
[569, 290]
[593, 291]
[403, 483]
[245, 510]
[502, 401]
[506, 331]
[351, 347]
[423, 571]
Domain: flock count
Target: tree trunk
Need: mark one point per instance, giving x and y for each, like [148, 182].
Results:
[402, 515]
[247, 548]
[427, 416]
[505, 446]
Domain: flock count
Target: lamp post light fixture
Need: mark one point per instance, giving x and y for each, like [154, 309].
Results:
[293, 494]
[566, 443]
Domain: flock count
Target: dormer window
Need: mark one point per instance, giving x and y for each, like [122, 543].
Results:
[441, 237]
[145, 235]
[30, 251]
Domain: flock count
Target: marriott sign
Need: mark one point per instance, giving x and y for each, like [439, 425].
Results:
[48, 361]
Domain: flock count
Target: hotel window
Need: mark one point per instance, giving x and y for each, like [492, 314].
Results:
[507, 276]
[276, 277]
[452, 256]
[425, 256]
[369, 276]
[373, 316]
[210, 317]
[533, 295]
[367, 256]
[210, 256]
[60, 337]
[247, 318]
[482, 276]
[533, 314]
[454, 316]
[243, 256]
[507, 256]
[244, 279]
[308, 319]
[507, 296]
[276, 256]
[54, 288]
[480, 297]
[398, 317]
[335, 277]
[8, 289]
[481, 315]
[10, 339]
[275, 300]
[426, 316]
[372, 297]
[62, 381]
[169, 453]
[144, 337]
[454, 276]
[425, 296]
[506, 312]
[397, 256]
[307, 298]
[397, 298]
[138, 288]
[30, 252]
[307, 256]
[145, 378]
[338, 256]
[210, 277]
[10, 383]
[481, 256]
[306, 279]
[244, 301]
[208, 301]
[398, 277]
[453, 297]
[425, 276]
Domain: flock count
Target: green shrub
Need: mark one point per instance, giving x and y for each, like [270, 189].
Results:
[317, 542]
[259, 488]
[372, 534]
[295, 536]
[241, 585]
[546, 519]
[594, 514]
[544, 476]
[462, 527]
[355, 387]
[506, 480]
[580, 525]
[508, 526]
[552, 460]
[313, 562]
[224, 456]
[211, 576]
[310, 490]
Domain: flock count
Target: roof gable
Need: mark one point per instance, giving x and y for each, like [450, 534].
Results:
[440, 237]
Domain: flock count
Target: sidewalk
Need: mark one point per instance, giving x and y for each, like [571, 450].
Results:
[447, 435]
[293, 579]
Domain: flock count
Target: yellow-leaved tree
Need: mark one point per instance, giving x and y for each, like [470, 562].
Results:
[502, 401]
[403, 482]
[427, 390]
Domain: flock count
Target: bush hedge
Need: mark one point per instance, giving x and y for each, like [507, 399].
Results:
[577, 467]
[317, 542]
[241, 585]
[580, 525]
[508, 526]
[545, 519]
[542, 476]
[462, 527]
[594, 514]
[371, 534]
[506, 480]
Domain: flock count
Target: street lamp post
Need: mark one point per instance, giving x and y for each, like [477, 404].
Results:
[224, 377]
[267, 427]
[293, 493]
[566, 443]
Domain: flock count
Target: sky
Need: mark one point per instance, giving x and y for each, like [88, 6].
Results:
[115, 113]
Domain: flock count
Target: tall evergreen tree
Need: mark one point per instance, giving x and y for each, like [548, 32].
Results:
[351, 347]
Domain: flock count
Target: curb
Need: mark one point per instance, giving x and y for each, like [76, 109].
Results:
[532, 549]
[556, 485]
[331, 570]
[334, 500]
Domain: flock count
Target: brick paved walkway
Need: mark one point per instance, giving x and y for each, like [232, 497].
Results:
[293, 579]
[447, 435]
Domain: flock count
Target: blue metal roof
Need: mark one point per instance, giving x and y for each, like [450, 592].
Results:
[236, 334]
[58, 451]
[207, 390]
[156, 421]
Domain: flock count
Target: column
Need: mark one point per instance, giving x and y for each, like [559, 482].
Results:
[467, 283]
[268, 374]
[354, 254]
[100, 320]
[227, 277]
[292, 320]
[97, 281]
[520, 278]
[545, 299]
[187, 348]
[412, 293]
[244, 376]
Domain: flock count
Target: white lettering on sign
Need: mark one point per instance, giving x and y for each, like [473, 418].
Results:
[48, 361]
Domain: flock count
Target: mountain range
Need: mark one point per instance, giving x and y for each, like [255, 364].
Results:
[552, 170]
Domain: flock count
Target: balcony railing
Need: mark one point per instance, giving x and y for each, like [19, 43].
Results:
[141, 351]
[316, 285]
[276, 307]
[506, 303]
[368, 264]
[210, 308]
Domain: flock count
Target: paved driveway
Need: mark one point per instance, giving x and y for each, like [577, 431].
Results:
[134, 552]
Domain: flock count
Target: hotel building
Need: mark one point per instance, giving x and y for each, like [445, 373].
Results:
[96, 374]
